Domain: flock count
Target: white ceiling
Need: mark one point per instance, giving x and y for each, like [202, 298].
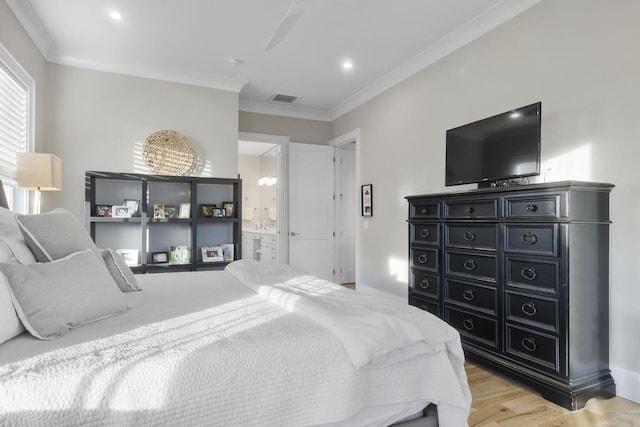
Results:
[191, 41]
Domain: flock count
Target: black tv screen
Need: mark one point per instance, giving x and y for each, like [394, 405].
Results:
[500, 147]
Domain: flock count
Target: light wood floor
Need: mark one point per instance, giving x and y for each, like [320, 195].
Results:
[501, 402]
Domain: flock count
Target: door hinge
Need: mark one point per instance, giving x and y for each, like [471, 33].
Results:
[334, 271]
[334, 234]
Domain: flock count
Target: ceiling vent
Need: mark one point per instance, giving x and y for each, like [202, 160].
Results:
[284, 99]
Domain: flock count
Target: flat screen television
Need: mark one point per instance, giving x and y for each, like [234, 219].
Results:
[496, 149]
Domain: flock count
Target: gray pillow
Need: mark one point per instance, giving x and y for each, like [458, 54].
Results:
[119, 270]
[54, 235]
[53, 297]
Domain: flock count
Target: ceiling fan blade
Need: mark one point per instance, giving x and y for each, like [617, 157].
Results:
[283, 28]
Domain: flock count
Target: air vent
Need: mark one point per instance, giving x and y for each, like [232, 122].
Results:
[285, 99]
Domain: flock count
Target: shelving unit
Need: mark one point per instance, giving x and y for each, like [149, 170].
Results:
[147, 234]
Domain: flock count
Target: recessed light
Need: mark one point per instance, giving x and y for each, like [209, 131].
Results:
[347, 65]
[115, 15]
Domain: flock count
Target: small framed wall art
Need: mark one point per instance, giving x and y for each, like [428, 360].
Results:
[367, 200]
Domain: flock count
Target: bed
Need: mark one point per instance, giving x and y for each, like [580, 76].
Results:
[254, 345]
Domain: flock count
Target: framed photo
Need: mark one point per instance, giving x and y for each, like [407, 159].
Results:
[158, 210]
[130, 256]
[229, 208]
[206, 211]
[159, 257]
[103, 210]
[185, 210]
[367, 200]
[212, 254]
[121, 211]
[218, 212]
[227, 251]
[171, 211]
[179, 254]
[134, 205]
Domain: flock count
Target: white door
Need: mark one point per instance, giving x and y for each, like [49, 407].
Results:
[311, 209]
[347, 198]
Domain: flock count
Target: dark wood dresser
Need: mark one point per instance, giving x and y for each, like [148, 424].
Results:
[523, 274]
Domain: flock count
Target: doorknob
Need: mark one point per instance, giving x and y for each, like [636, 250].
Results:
[293, 233]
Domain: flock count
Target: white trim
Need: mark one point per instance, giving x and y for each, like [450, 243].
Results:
[627, 383]
[284, 110]
[33, 26]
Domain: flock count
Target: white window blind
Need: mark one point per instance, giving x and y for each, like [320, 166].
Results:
[14, 120]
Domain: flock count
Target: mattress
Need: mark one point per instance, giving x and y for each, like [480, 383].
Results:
[201, 348]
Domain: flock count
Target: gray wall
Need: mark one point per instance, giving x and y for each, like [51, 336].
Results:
[298, 130]
[579, 57]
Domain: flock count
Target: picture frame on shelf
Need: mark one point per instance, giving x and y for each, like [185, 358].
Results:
[229, 209]
[130, 256]
[170, 211]
[367, 199]
[134, 204]
[179, 254]
[158, 210]
[159, 257]
[185, 210]
[121, 211]
[218, 213]
[228, 251]
[103, 210]
[206, 211]
[212, 254]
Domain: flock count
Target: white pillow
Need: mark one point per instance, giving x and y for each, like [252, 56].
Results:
[8, 225]
[10, 325]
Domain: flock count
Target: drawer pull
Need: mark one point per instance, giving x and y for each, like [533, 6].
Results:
[469, 209]
[424, 233]
[468, 295]
[424, 211]
[531, 208]
[529, 238]
[529, 344]
[467, 324]
[424, 284]
[529, 273]
[529, 309]
[469, 236]
[469, 265]
[422, 258]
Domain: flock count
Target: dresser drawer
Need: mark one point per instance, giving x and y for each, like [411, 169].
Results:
[424, 210]
[534, 275]
[533, 347]
[473, 236]
[425, 284]
[547, 206]
[535, 311]
[471, 209]
[478, 297]
[425, 258]
[473, 327]
[425, 233]
[475, 266]
[533, 239]
[431, 306]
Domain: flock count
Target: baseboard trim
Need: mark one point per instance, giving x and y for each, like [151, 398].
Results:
[627, 383]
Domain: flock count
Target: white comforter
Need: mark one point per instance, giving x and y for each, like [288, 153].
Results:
[199, 348]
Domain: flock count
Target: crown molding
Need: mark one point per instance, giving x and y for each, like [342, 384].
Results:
[284, 110]
[33, 26]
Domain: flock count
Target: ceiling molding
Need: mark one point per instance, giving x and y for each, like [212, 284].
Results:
[33, 26]
[284, 110]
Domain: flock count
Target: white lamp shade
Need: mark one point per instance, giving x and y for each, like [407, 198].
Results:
[39, 171]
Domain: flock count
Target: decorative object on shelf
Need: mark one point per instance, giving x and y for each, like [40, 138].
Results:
[39, 172]
[167, 152]
[158, 210]
[121, 212]
[159, 257]
[212, 254]
[367, 200]
[103, 210]
[229, 209]
[185, 210]
[134, 205]
[179, 254]
[170, 211]
[218, 213]
[206, 211]
[130, 256]
[228, 251]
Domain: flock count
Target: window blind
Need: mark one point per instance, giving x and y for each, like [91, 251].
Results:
[14, 120]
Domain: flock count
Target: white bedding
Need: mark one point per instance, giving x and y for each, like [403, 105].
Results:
[200, 348]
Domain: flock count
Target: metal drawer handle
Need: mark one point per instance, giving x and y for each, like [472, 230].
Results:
[424, 233]
[468, 295]
[529, 309]
[531, 208]
[529, 273]
[424, 284]
[470, 265]
[422, 258]
[467, 324]
[529, 238]
[469, 236]
[424, 211]
[469, 209]
[529, 344]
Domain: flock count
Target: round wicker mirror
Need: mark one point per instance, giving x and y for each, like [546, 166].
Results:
[167, 152]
